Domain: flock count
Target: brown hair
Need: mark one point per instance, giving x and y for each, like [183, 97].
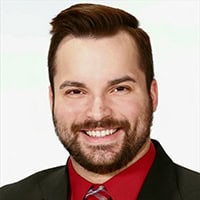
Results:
[98, 21]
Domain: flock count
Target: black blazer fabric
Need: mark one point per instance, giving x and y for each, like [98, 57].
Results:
[165, 181]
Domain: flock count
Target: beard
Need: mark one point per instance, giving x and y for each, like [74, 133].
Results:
[104, 159]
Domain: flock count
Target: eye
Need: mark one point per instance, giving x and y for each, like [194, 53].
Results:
[74, 92]
[121, 89]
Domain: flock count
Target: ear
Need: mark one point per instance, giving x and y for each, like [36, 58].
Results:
[154, 94]
[51, 97]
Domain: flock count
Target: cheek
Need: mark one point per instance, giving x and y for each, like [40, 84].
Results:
[129, 109]
[68, 110]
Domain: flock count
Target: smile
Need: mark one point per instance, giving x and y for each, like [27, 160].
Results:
[100, 133]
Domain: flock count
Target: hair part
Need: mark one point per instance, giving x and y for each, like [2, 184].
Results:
[93, 20]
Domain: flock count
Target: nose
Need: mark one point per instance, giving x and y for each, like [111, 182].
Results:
[98, 108]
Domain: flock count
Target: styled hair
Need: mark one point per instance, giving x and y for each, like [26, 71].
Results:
[92, 20]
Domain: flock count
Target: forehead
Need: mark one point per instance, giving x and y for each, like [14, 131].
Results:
[121, 37]
[99, 57]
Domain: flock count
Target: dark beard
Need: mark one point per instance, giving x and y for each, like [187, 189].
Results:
[132, 143]
[127, 153]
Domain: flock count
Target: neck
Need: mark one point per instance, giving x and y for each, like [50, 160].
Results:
[102, 178]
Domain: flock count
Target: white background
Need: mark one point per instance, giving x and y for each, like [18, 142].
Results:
[28, 142]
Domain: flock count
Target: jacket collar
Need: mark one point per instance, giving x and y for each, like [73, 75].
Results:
[160, 183]
[56, 185]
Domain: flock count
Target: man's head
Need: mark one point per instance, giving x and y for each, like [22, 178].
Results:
[102, 89]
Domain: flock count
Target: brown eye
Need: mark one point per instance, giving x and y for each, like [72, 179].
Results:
[121, 89]
[74, 92]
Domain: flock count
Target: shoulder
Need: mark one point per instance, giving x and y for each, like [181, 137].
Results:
[30, 186]
[188, 182]
[168, 176]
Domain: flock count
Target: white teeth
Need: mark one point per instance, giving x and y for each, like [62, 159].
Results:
[101, 133]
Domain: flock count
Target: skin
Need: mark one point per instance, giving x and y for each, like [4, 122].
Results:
[110, 84]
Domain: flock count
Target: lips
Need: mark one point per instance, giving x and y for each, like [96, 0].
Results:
[101, 136]
[105, 128]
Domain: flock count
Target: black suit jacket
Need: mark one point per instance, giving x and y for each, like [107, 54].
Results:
[165, 181]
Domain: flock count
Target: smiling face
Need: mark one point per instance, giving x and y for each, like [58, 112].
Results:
[101, 107]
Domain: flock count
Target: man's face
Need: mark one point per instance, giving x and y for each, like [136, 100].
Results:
[101, 107]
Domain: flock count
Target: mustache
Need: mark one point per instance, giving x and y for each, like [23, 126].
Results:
[106, 123]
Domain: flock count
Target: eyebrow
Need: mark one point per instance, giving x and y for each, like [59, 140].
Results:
[120, 80]
[71, 83]
[110, 83]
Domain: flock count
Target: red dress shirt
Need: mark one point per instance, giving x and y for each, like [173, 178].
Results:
[125, 185]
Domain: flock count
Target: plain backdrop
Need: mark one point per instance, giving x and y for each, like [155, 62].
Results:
[28, 142]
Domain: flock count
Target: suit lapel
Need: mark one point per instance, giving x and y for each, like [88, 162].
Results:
[56, 186]
[160, 183]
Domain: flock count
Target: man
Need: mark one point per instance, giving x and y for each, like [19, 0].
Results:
[103, 95]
